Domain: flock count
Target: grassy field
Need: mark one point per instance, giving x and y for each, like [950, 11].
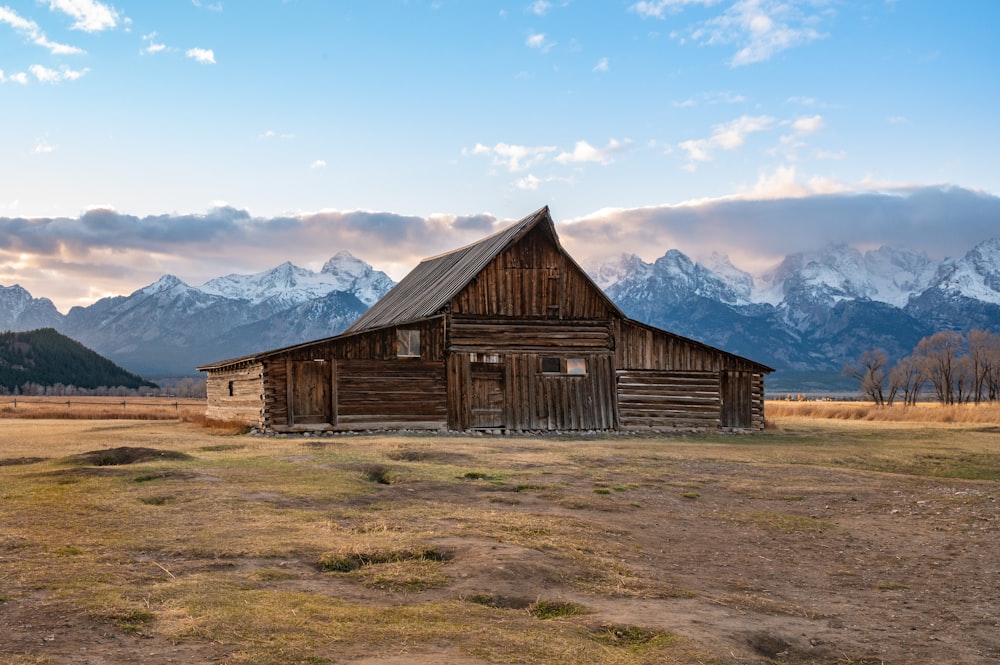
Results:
[820, 540]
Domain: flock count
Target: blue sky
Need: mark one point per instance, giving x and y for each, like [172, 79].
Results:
[231, 136]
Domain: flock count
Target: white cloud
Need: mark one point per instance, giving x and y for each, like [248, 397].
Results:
[726, 136]
[803, 126]
[760, 28]
[43, 147]
[90, 15]
[602, 65]
[528, 183]
[318, 164]
[584, 152]
[47, 75]
[271, 134]
[31, 30]
[659, 8]
[20, 77]
[898, 120]
[152, 46]
[206, 56]
[538, 41]
[540, 7]
[513, 157]
[210, 6]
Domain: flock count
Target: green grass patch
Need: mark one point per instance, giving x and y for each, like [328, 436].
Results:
[555, 609]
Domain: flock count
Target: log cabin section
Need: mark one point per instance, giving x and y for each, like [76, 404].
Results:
[505, 334]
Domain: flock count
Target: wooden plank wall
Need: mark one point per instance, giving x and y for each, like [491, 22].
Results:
[561, 402]
[663, 399]
[400, 394]
[469, 334]
[533, 400]
[375, 345]
[642, 347]
[246, 404]
[532, 279]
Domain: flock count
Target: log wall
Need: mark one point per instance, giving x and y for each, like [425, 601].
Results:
[246, 403]
[371, 387]
[663, 399]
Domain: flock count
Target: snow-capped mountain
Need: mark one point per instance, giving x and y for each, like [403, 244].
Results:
[289, 285]
[169, 327]
[20, 311]
[815, 310]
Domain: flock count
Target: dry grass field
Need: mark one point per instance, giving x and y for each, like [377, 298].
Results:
[820, 540]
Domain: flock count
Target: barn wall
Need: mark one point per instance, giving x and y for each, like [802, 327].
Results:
[363, 367]
[659, 399]
[245, 405]
[495, 377]
[532, 278]
[391, 394]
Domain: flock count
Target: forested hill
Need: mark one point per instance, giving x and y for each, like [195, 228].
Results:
[45, 357]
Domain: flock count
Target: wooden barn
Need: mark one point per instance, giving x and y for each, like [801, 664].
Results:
[508, 333]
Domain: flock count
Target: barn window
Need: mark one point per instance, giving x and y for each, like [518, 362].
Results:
[408, 343]
[231, 388]
[571, 366]
[551, 365]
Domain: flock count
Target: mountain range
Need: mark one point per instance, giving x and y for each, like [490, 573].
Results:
[806, 317]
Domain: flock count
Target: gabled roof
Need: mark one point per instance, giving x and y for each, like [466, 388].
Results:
[436, 280]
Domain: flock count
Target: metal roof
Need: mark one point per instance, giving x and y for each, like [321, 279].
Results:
[436, 280]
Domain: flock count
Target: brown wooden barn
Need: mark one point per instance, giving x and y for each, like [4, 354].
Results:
[508, 333]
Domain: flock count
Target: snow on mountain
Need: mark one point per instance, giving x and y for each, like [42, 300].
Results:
[898, 274]
[353, 275]
[740, 281]
[20, 311]
[611, 271]
[975, 276]
[288, 285]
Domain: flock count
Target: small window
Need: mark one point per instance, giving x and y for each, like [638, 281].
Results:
[570, 366]
[551, 365]
[408, 343]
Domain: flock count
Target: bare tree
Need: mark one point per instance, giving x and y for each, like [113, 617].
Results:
[870, 371]
[984, 351]
[938, 355]
[907, 377]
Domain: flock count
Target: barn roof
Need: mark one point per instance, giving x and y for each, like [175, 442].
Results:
[436, 280]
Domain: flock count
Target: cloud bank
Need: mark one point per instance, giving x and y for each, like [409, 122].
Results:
[105, 252]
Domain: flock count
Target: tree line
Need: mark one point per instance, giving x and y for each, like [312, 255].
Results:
[958, 369]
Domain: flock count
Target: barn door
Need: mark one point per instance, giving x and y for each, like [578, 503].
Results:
[735, 389]
[310, 393]
[486, 402]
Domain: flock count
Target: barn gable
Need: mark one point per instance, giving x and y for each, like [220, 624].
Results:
[508, 333]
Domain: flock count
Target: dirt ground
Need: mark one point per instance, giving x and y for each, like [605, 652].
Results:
[747, 562]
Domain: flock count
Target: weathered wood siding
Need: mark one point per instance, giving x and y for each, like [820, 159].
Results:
[495, 377]
[668, 381]
[662, 399]
[532, 279]
[367, 386]
[405, 393]
[236, 394]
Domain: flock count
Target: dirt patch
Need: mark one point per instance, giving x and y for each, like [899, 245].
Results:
[21, 461]
[124, 455]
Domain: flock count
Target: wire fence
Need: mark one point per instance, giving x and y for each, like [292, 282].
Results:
[98, 407]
